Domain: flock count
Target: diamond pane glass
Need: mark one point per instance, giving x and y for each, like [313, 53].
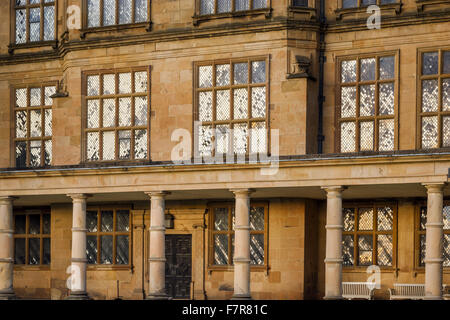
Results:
[430, 63]
[206, 7]
[19, 251]
[21, 124]
[124, 144]
[240, 73]
[349, 3]
[223, 104]
[220, 219]
[386, 99]
[348, 250]
[423, 218]
[46, 251]
[259, 4]
[445, 94]
[349, 219]
[109, 84]
[46, 224]
[109, 113]
[93, 113]
[365, 247]
[122, 249]
[124, 82]
[91, 220]
[205, 76]
[109, 12]
[258, 137]
[19, 223]
[93, 85]
[222, 139]
[35, 97]
[367, 69]
[365, 219]
[429, 132]
[446, 62]
[21, 154]
[48, 152]
[48, 92]
[35, 24]
[240, 138]
[124, 112]
[123, 220]
[109, 145]
[140, 10]
[223, 6]
[140, 81]
[348, 71]
[300, 3]
[205, 140]
[93, 13]
[258, 71]
[348, 102]
[259, 102]
[93, 146]
[222, 75]
[106, 254]
[91, 249]
[445, 131]
[385, 218]
[241, 5]
[21, 26]
[125, 11]
[49, 23]
[367, 100]
[387, 68]
[35, 153]
[446, 217]
[446, 262]
[257, 218]
[140, 144]
[366, 135]
[220, 249]
[21, 98]
[107, 221]
[34, 250]
[385, 250]
[422, 248]
[430, 96]
[34, 224]
[386, 135]
[348, 137]
[240, 103]
[257, 249]
[205, 106]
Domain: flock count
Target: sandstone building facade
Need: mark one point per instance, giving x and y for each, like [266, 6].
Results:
[97, 97]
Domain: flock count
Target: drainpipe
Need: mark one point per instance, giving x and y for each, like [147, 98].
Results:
[204, 253]
[143, 256]
[321, 98]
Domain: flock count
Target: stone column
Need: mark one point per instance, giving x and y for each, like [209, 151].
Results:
[6, 248]
[333, 257]
[434, 241]
[157, 255]
[79, 258]
[241, 257]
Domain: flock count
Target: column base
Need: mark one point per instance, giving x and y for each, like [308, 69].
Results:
[241, 297]
[160, 296]
[8, 296]
[78, 296]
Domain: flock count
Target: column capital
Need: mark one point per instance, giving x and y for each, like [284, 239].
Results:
[242, 192]
[157, 194]
[7, 199]
[435, 187]
[79, 196]
[333, 189]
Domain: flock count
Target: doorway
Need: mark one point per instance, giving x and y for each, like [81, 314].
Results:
[178, 265]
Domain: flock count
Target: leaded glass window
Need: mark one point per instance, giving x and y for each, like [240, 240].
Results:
[32, 237]
[222, 234]
[232, 104]
[108, 238]
[209, 7]
[367, 104]
[300, 3]
[34, 21]
[33, 125]
[117, 106]
[364, 3]
[421, 235]
[368, 235]
[103, 13]
[434, 113]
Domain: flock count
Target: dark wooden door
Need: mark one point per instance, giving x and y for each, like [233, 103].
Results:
[178, 265]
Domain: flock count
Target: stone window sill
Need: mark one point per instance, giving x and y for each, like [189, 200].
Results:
[99, 267]
[267, 12]
[307, 11]
[116, 28]
[29, 45]
[396, 7]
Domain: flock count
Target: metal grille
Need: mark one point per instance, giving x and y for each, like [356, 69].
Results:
[430, 63]
[348, 71]
[385, 250]
[365, 250]
[366, 135]
[240, 133]
[222, 74]
[259, 102]
[122, 249]
[240, 73]
[348, 250]
[387, 68]
[348, 102]
[258, 137]
[257, 249]
[124, 83]
[430, 96]
[348, 135]
[258, 71]
[429, 132]
[365, 219]
[240, 104]
[349, 219]
[205, 106]
[385, 218]
[125, 11]
[109, 84]
[367, 100]
[386, 135]
[367, 69]
[220, 249]
[106, 254]
[257, 218]
[222, 104]
[222, 139]
[205, 76]
[386, 99]
[140, 144]
[93, 114]
[220, 219]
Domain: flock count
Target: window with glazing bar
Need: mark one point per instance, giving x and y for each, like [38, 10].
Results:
[102, 13]
[232, 100]
[34, 20]
[434, 113]
[368, 236]
[33, 125]
[364, 3]
[421, 235]
[300, 3]
[117, 105]
[32, 237]
[108, 239]
[209, 7]
[367, 103]
[222, 234]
